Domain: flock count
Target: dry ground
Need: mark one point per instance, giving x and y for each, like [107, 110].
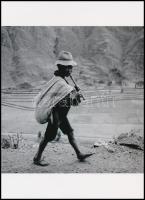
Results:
[62, 159]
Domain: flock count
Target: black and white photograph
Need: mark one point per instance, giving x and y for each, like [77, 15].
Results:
[72, 99]
[72, 94]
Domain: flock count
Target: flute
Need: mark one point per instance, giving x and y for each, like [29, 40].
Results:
[77, 88]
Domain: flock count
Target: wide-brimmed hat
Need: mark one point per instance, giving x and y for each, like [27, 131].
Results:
[65, 58]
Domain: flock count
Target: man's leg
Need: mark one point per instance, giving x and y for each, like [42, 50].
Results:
[73, 142]
[67, 129]
[49, 135]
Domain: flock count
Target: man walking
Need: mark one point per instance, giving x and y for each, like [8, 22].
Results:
[58, 116]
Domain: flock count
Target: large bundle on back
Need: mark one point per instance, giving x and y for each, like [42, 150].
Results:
[54, 91]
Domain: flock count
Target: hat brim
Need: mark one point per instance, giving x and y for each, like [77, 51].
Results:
[66, 62]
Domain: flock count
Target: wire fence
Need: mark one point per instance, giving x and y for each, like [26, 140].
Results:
[89, 100]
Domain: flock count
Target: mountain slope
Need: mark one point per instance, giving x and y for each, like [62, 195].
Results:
[29, 53]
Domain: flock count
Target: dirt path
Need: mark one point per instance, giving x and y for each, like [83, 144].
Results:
[62, 159]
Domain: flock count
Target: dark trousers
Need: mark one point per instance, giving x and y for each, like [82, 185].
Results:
[57, 120]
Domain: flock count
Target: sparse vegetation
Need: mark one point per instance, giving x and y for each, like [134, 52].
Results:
[109, 83]
[139, 84]
[101, 82]
[24, 85]
[11, 141]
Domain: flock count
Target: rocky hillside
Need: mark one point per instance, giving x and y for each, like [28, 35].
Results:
[103, 54]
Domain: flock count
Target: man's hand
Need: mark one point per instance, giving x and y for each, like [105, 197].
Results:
[75, 98]
[79, 92]
[77, 88]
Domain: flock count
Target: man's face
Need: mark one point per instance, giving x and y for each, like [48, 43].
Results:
[67, 70]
